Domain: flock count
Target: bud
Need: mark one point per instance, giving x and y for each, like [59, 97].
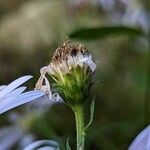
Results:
[72, 69]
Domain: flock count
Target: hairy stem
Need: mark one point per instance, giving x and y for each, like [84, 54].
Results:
[80, 131]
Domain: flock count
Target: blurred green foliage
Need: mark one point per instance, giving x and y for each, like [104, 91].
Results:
[30, 31]
[102, 32]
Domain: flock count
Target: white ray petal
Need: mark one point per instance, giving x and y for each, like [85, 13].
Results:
[2, 87]
[5, 102]
[52, 145]
[142, 141]
[21, 99]
[88, 60]
[13, 85]
[14, 93]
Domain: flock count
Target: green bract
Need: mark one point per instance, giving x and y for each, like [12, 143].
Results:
[74, 87]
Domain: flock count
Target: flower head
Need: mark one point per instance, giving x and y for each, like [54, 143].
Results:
[72, 69]
[68, 57]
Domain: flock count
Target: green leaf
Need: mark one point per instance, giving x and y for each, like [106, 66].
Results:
[102, 32]
[67, 145]
[92, 109]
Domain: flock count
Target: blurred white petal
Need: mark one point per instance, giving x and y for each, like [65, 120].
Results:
[40, 145]
[42, 104]
[26, 140]
[14, 117]
[9, 136]
[21, 99]
[13, 85]
[142, 141]
[107, 5]
[46, 148]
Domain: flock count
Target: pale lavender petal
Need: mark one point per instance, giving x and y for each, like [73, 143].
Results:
[14, 117]
[52, 145]
[42, 104]
[9, 97]
[2, 87]
[89, 62]
[148, 142]
[142, 141]
[21, 99]
[9, 136]
[13, 85]
[4, 102]
[26, 140]
[47, 148]
[14, 93]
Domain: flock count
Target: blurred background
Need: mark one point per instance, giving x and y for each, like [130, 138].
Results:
[116, 32]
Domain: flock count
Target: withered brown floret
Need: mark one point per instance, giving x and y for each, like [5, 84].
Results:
[66, 49]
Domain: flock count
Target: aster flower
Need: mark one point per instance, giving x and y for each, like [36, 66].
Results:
[72, 69]
[142, 141]
[12, 95]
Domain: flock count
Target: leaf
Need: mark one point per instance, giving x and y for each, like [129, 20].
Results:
[92, 109]
[67, 144]
[102, 32]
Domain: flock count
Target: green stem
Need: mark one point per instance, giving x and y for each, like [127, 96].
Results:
[80, 131]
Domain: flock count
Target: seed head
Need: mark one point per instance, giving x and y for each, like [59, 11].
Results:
[72, 69]
[70, 56]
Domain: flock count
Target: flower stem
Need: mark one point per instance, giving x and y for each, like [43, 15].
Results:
[80, 131]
